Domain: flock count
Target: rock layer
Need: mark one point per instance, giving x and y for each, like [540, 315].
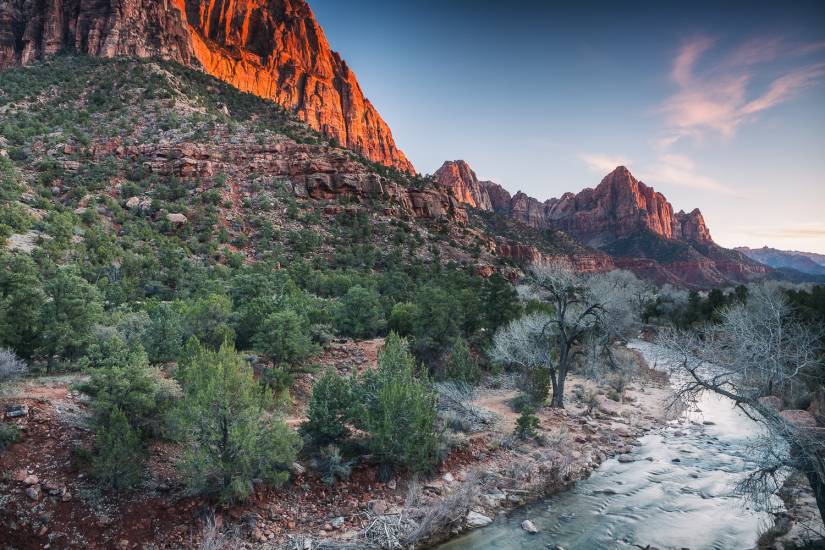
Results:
[272, 48]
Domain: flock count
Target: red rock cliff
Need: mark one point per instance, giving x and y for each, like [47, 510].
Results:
[272, 48]
[621, 206]
[461, 181]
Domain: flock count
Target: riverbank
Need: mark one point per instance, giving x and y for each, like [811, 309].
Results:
[501, 473]
[49, 498]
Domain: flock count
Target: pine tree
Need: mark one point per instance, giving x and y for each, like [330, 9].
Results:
[230, 440]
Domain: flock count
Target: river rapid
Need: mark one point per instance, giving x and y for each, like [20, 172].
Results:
[677, 493]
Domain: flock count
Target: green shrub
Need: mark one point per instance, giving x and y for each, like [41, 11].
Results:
[9, 433]
[126, 382]
[332, 466]
[277, 379]
[118, 464]
[461, 366]
[360, 314]
[229, 440]
[15, 217]
[284, 337]
[399, 411]
[402, 317]
[527, 423]
[164, 335]
[538, 386]
[330, 409]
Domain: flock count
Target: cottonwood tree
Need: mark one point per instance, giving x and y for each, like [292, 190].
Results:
[757, 350]
[623, 298]
[550, 340]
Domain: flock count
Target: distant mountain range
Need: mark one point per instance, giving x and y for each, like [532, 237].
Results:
[804, 262]
[622, 217]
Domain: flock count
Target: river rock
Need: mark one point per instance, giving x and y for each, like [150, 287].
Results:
[529, 526]
[474, 519]
[625, 459]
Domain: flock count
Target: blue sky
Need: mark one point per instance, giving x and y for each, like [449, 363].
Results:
[720, 108]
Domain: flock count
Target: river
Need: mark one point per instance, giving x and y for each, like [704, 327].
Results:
[678, 493]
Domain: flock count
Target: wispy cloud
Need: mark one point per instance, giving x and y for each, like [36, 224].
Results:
[603, 163]
[718, 94]
[680, 170]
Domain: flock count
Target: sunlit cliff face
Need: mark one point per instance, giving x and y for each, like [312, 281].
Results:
[274, 49]
[277, 50]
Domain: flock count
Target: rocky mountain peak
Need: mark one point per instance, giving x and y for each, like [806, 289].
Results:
[457, 177]
[274, 49]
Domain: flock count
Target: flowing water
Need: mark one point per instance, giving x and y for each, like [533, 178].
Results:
[677, 494]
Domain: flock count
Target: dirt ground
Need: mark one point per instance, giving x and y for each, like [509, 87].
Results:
[48, 500]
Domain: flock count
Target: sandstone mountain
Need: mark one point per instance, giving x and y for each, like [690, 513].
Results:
[274, 49]
[623, 217]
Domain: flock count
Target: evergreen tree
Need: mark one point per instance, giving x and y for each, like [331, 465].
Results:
[284, 337]
[68, 315]
[330, 409]
[21, 301]
[399, 411]
[118, 464]
[229, 439]
[360, 314]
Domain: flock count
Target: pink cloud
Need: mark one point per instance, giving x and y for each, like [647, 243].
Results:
[720, 98]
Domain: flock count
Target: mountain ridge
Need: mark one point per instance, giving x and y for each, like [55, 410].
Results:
[806, 262]
[274, 49]
[622, 216]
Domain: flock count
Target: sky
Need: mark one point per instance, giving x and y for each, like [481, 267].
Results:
[718, 105]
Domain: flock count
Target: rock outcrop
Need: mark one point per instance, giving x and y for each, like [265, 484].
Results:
[460, 180]
[274, 49]
[306, 171]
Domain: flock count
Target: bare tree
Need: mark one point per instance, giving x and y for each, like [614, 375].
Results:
[10, 366]
[551, 340]
[759, 349]
[623, 298]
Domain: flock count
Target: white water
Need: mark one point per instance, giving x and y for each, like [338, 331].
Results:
[678, 493]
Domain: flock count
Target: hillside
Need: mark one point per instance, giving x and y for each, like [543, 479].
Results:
[275, 50]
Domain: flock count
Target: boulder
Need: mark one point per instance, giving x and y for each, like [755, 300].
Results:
[15, 411]
[474, 519]
[133, 202]
[529, 526]
[177, 219]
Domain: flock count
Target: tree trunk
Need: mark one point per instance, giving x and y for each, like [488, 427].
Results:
[558, 395]
[818, 487]
[555, 383]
